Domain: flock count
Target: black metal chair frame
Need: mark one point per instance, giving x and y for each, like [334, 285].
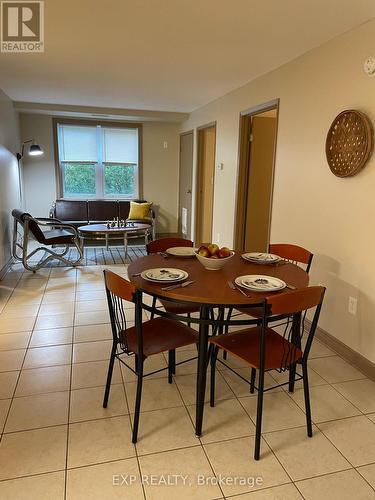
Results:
[25, 238]
[293, 335]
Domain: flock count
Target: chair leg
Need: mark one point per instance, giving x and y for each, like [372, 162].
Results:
[214, 353]
[138, 400]
[153, 307]
[188, 322]
[171, 364]
[252, 380]
[109, 375]
[258, 430]
[225, 355]
[307, 399]
[292, 377]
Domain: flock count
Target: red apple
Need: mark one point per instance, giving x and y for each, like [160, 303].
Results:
[203, 251]
[224, 252]
[213, 248]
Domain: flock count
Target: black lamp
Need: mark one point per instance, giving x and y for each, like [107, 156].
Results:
[34, 150]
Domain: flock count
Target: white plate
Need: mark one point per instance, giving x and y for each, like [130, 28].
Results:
[260, 283]
[261, 258]
[182, 251]
[162, 274]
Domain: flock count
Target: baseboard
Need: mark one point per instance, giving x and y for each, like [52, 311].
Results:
[6, 268]
[353, 357]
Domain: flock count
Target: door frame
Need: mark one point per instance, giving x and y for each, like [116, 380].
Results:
[179, 176]
[199, 130]
[244, 148]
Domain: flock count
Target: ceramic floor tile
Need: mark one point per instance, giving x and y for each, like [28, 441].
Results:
[38, 357]
[319, 350]
[335, 369]
[368, 472]
[92, 351]
[43, 410]
[13, 311]
[4, 407]
[92, 333]
[354, 437]
[304, 457]
[9, 341]
[187, 386]
[43, 380]
[56, 308]
[54, 336]
[359, 392]
[156, 394]
[58, 297]
[90, 295]
[314, 378]
[87, 404]
[235, 458]
[167, 429]
[33, 452]
[93, 374]
[13, 325]
[240, 387]
[99, 441]
[104, 481]
[227, 420]
[279, 411]
[91, 306]
[91, 318]
[8, 381]
[54, 321]
[43, 487]
[186, 462]
[326, 403]
[284, 492]
[11, 360]
[344, 485]
[151, 364]
[188, 368]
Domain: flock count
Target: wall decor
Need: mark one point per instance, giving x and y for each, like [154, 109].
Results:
[349, 143]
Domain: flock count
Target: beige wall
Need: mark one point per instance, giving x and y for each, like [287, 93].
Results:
[333, 217]
[160, 168]
[9, 178]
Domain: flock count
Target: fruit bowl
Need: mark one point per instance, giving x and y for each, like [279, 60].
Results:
[213, 264]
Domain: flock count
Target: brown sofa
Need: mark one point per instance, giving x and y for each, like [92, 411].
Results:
[82, 212]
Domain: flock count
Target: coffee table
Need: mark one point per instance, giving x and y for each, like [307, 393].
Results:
[102, 232]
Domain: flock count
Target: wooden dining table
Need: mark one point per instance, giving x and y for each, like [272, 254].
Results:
[211, 290]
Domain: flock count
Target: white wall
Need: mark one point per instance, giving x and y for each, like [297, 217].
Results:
[9, 178]
[160, 168]
[332, 217]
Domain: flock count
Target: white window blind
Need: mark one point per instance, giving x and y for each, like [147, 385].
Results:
[120, 145]
[78, 143]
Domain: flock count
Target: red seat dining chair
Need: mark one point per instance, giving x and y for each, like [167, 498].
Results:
[142, 340]
[263, 349]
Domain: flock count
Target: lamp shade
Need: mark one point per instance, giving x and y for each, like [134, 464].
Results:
[35, 150]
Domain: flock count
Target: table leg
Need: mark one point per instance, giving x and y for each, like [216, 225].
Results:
[126, 245]
[296, 341]
[202, 369]
[106, 242]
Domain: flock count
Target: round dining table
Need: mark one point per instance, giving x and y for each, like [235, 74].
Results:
[210, 289]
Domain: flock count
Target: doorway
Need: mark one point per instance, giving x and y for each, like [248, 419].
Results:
[205, 183]
[185, 184]
[258, 133]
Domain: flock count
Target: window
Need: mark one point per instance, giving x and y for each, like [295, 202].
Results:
[98, 161]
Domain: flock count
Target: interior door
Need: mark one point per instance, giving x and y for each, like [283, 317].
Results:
[205, 183]
[185, 184]
[260, 182]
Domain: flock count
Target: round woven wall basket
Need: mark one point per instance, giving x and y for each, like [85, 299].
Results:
[349, 143]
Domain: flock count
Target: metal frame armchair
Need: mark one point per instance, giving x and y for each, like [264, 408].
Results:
[58, 233]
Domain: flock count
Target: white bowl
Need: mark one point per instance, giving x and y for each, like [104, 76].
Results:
[213, 264]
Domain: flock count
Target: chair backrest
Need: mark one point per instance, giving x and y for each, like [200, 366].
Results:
[297, 303]
[163, 244]
[29, 224]
[293, 253]
[118, 290]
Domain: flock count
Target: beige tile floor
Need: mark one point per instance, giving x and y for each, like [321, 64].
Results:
[58, 442]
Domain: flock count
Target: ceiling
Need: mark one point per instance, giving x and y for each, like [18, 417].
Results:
[168, 55]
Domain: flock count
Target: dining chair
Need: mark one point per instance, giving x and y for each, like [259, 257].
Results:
[162, 245]
[143, 340]
[263, 349]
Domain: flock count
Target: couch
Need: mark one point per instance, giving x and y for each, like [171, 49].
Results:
[83, 212]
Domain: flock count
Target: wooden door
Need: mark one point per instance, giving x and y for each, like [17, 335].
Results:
[205, 183]
[185, 184]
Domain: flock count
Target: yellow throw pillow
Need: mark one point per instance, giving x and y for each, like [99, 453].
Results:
[139, 211]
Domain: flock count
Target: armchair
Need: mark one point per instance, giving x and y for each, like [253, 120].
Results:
[58, 233]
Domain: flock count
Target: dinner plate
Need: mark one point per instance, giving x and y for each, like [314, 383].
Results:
[162, 274]
[182, 251]
[261, 258]
[260, 283]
